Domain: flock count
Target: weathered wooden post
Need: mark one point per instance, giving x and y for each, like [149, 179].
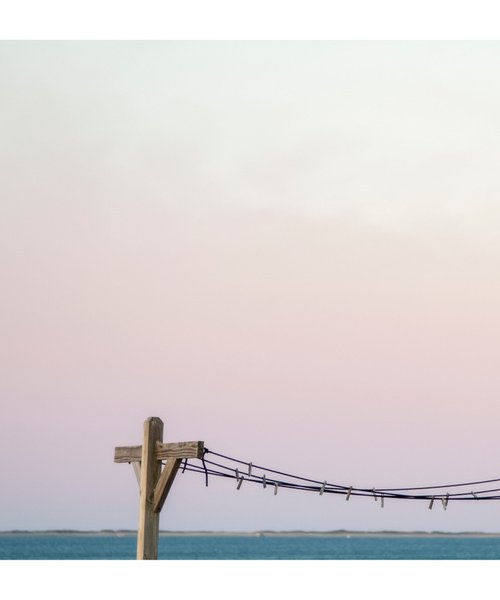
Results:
[154, 482]
[149, 520]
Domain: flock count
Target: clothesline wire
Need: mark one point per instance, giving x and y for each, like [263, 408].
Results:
[323, 487]
[287, 485]
[385, 489]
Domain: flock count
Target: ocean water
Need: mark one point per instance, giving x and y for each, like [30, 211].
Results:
[199, 547]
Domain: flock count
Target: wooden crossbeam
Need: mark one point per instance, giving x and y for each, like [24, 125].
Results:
[130, 454]
[154, 482]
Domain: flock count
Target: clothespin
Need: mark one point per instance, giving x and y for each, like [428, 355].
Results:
[443, 501]
[237, 473]
[249, 469]
[264, 481]
[348, 493]
[431, 503]
[321, 491]
[374, 494]
[446, 501]
[239, 483]
[382, 501]
[275, 488]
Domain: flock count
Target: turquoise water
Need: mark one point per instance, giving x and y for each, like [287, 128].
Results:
[99, 547]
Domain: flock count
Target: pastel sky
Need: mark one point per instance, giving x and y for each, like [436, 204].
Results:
[288, 250]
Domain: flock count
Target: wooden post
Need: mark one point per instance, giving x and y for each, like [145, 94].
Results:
[149, 520]
[154, 483]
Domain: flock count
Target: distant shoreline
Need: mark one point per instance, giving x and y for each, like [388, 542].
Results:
[265, 533]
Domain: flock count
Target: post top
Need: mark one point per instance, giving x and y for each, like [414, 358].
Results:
[153, 419]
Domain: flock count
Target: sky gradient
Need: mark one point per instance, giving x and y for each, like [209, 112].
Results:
[288, 250]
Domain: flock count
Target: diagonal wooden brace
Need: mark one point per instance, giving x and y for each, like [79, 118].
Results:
[165, 483]
[137, 471]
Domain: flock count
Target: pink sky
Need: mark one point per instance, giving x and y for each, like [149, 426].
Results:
[288, 250]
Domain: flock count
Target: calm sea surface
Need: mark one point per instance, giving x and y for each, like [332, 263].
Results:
[116, 547]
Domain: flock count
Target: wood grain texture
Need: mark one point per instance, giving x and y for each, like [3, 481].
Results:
[165, 482]
[126, 454]
[149, 520]
[180, 450]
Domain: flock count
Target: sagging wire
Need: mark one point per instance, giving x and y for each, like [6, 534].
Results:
[231, 471]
